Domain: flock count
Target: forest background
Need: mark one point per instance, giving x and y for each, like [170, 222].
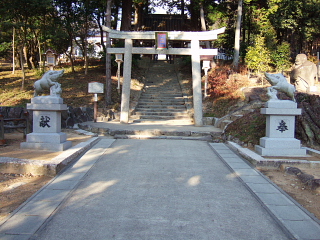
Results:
[263, 35]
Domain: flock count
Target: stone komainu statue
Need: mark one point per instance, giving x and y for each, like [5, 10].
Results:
[49, 81]
[279, 83]
[303, 73]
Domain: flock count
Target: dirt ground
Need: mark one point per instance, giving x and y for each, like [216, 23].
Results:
[291, 184]
[17, 188]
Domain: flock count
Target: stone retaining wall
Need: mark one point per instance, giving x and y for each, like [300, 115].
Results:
[68, 118]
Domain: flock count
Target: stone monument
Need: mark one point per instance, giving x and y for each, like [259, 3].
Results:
[47, 133]
[303, 74]
[280, 124]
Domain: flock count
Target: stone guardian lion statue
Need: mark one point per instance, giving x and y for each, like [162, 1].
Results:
[280, 83]
[49, 81]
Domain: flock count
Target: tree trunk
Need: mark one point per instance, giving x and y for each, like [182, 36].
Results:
[182, 13]
[202, 20]
[86, 62]
[126, 15]
[138, 16]
[101, 38]
[13, 52]
[70, 55]
[108, 57]
[22, 67]
[203, 23]
[194, 11]
[25, 53]
[236, 55]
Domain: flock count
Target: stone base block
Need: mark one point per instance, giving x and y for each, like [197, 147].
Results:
[46, 137]
[47, 141]
[280, 147]
[280, 143]
[280, 153]
[55, 147]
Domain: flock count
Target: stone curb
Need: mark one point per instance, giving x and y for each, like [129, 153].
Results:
[30, 216]
[204, 138]
[153, 134]
[295, 220]
[258, 160]
[43, 167]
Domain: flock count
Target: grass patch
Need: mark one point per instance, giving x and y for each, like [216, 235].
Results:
[250, 128]
[74, 86]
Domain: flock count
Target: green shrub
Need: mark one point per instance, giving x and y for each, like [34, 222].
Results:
[258, 56]
[281, 56]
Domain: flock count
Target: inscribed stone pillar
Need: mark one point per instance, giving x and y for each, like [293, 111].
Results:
[125, 97]
[280, 128]
[196, 83]
[47, 133]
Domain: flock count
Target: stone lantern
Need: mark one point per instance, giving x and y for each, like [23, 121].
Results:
[206, 65]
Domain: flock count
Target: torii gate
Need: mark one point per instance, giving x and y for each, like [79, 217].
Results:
[195, 51]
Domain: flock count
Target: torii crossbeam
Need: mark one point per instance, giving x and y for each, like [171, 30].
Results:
[195, 51]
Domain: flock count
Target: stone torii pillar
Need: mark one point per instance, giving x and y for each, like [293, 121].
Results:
[196, 83]
[194, 51]
[125, 95]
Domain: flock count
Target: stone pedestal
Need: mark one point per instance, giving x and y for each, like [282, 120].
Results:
[280, 128]
[47, 133]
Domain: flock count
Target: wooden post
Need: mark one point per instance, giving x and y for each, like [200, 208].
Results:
[2, 140]
[318, 77]
[27, 129]
[95, 107]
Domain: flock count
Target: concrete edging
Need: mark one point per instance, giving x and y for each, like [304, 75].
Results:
[42, 167]
[258, 160]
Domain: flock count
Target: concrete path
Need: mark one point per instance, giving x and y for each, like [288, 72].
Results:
[159, 189]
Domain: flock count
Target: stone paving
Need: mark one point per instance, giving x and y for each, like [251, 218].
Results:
[160, 189]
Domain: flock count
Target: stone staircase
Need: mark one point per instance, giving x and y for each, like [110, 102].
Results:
[162, 98]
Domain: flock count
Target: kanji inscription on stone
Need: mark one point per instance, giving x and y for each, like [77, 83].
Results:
[282, 126]
[44, 120]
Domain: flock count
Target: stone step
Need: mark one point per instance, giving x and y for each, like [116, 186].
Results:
[235, 117]
[168, 100]
[159, 103]
[246, 111]
[224, 123]
[162, 99]
[158, 117]
[203, 138]
[161, 95]
[182, 110]
[165, 121]
[174, 99]
[162, 86]
[176, 94]
[153, 106]
[174, 114]
[167, 91]
[163, 134]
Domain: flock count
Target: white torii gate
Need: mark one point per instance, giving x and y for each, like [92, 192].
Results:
[195, 51]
